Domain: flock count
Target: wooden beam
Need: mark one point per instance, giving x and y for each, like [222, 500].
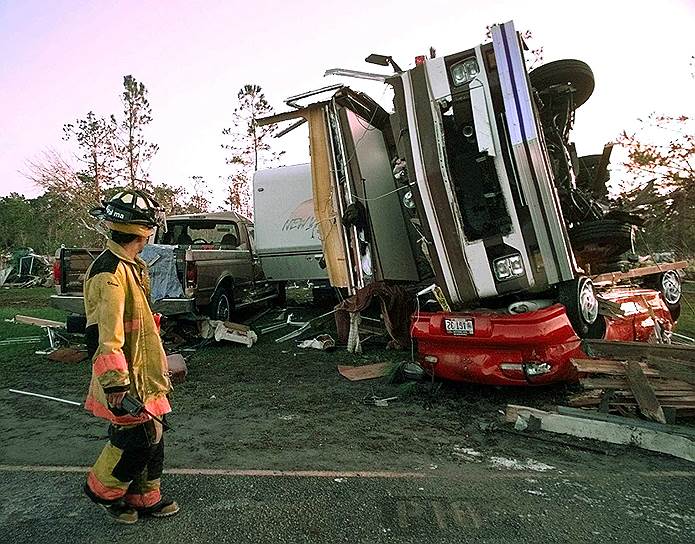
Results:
[28, 320]
[644, 394]
[675, 369]
[637, 350]
[614, 277]
[608, 367]
[621, 383]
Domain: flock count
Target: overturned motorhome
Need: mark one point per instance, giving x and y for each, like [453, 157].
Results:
[469, 187]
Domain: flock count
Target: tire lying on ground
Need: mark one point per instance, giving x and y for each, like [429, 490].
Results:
[561, 72]
[581, 305]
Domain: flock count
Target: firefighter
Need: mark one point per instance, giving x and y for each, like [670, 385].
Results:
[127, 358]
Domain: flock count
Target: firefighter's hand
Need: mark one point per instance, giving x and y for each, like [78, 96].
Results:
[115, 399]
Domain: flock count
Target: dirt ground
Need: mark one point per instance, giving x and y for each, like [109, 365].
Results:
[275, 406]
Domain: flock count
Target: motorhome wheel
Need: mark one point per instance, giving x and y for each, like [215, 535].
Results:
[571, 72]
[580, 303]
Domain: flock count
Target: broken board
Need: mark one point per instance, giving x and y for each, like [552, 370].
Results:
[366, 372]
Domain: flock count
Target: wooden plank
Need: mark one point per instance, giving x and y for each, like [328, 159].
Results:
[28, 320]
[621, 383]
[366, 372]
[621, 433]
[637, 350]
[673, 368]
[614, 277]
[608, 367]
[646, 399]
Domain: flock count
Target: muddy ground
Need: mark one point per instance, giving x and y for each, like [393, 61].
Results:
[275, 406]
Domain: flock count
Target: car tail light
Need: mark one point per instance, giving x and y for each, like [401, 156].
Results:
[57, 272]
[191, 274]
[420, 59]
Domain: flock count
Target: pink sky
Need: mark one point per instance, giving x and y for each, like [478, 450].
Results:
[62, 58]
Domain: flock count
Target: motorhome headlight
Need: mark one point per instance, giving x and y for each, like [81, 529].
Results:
[507, 268]
[465, 71]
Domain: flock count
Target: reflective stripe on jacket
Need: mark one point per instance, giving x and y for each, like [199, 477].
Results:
[122, 337]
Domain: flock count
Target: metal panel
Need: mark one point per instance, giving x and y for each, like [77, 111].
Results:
[534, 173]
[481, 116]
[382, 201]
[515, 239]
[424, 190]
[512, 72]
[438, 78]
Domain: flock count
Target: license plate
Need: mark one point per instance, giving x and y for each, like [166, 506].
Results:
[459, 326]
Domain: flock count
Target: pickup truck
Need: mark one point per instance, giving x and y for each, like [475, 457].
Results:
[209, 266]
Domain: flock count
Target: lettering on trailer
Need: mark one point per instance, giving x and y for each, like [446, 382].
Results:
[302, 218]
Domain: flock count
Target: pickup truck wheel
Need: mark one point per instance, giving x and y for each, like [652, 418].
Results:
[581, 305]
[222, 305]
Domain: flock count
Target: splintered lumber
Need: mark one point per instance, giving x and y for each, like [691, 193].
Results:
[28, 320]
[673, 368]
[637, 350]
[366, 372]
[605, 366]
[621, 383]
[624, 432]
[614, 277]
[644, 394]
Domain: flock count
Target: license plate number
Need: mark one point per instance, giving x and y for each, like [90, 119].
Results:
[459, 326]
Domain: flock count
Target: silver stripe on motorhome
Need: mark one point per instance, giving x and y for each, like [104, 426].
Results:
[515, 239]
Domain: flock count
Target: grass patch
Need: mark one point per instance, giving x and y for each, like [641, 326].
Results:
[686, 321]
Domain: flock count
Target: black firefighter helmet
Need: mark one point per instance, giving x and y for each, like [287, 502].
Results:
[131, 206]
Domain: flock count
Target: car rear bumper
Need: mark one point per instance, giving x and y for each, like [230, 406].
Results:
[533, 348]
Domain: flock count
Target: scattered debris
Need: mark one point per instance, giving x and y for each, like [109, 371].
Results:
[376, 401]
[224, 330]
[68, 355]
[515, 464]
[324, 342]
[660, 388]
[21, 340]
[467, 454]
[18, 392]
[177, 368]
[366, 372]
[28, 320]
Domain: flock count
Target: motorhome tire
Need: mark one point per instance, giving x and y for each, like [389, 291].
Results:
[603, 239]
[579, 300]
[567, 71]
[222, 304]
